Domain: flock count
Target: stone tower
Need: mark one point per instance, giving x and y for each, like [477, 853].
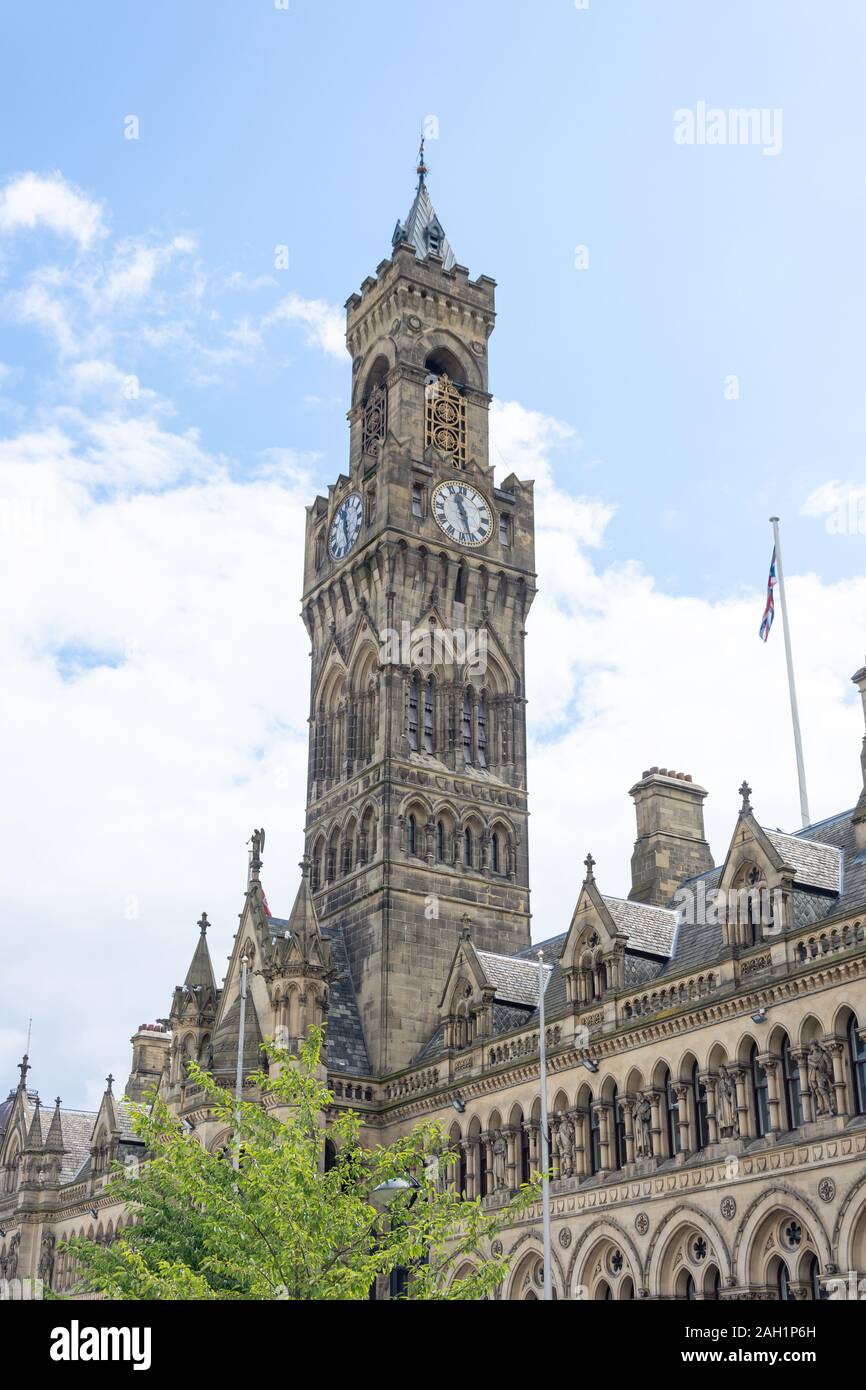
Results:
[418, 577]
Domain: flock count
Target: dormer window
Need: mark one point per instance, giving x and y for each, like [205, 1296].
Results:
[435, 238]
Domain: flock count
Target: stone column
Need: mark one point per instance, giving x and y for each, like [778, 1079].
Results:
[487, 1161]
[684, 1115]
[534, 1146]
[581, 1155]
[835, 1048]
[628, 1114]
[605, 1114]
[771, 1067]
[472, 1188]
[655, 1099]
[511, 1159]
[710, 1082]
[800, 1057]
[739, 1075]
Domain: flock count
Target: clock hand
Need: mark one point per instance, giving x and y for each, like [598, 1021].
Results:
[462, 510]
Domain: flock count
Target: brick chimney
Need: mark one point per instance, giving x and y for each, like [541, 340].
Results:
[670, 843]
[859, 817]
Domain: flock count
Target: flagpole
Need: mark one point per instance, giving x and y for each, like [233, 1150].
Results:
[795, 713]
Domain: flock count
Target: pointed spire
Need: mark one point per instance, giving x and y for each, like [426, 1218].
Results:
[34, 1133]
[422, 228]
[200, 977]
[54, 1141]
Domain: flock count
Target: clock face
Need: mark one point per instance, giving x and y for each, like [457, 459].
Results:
[346, 526]
[463, 513]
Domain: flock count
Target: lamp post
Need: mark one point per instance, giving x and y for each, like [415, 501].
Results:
[545, 1138]
[239, 1077]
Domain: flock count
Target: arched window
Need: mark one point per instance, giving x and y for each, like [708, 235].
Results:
[701, 1137]
[445, 423]
[428, 716]
[467, 847]
[330, 1155]
[604, 1293]
[440, 842]
[690, 1291]
[494, 852]
[525, 1155]
[481, 730]
[760, 1094]
[672, 1113]
[467, 726]
[413, 713]
[618, 1119]
[791, 1077]
[784, 1282]
[594, 1139]
[815, 1287]
[857, 1050]
[411, 835]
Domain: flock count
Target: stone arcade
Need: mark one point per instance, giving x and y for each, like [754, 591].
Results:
[707, 1067]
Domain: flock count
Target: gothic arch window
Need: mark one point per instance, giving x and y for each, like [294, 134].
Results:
[468, 848]
[857, 1051]
[440, 842]
[816, 1290]
[783, 1282]
[429, 705]
[494, 853]
[330, 1155]
[320, 548]
[413, 712]
[672, 1116]
[411, 835]
[791, 1083]
[699, 1092]
[445, 408]
[594, 1138]
[618, 1122]
[467, 726]
[481, 729]
[375, 419]
[760, 1094]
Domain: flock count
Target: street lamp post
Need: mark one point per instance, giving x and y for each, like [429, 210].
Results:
[239, 1076]
[545, 1134]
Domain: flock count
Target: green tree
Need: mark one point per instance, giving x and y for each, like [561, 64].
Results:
[277, 1227]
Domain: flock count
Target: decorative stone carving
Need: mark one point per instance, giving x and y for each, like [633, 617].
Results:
[728, 1208]
[820, 1072]
[500, 1162]
[564, 1145]
[826, 1189]
[641, 1223]
[565, 1237]
[728, 1116]
[496, 1248]
[643, 1134]
[46, 1259]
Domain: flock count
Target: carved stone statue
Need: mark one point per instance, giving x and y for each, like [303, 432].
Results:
[820, 1072]
[12, 1260]
[727, 1113]
[643, 1134]
[46, 1259]
[500, 1160]
[564, 1144]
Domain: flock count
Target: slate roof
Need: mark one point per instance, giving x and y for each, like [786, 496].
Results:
[421, 226]
[514, 978]
[815, 864]
[648, 928]
[344, 1036]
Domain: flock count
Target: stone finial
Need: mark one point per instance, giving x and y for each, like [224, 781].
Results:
[306, 866]
[745, 793]
[109, 1082]
[465, 921]
[203, 924]
[23, 1067]
[590, 869]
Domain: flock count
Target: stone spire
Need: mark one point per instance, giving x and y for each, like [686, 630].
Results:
[200, 977]
[54, 1140]
[422, 228]
[34, 1133]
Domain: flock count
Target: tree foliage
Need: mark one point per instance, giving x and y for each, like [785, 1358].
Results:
[277, 1226]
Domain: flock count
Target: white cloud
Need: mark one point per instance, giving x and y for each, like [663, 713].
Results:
[326, 327]
[32, 200]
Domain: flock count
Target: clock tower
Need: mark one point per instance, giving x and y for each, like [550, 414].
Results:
[418, 578]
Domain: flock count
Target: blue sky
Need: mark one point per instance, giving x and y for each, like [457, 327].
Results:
[170, 400]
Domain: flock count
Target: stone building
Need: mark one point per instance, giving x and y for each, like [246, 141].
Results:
[706, 1036]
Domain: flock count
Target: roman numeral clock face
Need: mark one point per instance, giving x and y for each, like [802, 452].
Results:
[463, 513]
[346, 526]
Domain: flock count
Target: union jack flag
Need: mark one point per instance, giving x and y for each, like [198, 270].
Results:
[770, 609]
